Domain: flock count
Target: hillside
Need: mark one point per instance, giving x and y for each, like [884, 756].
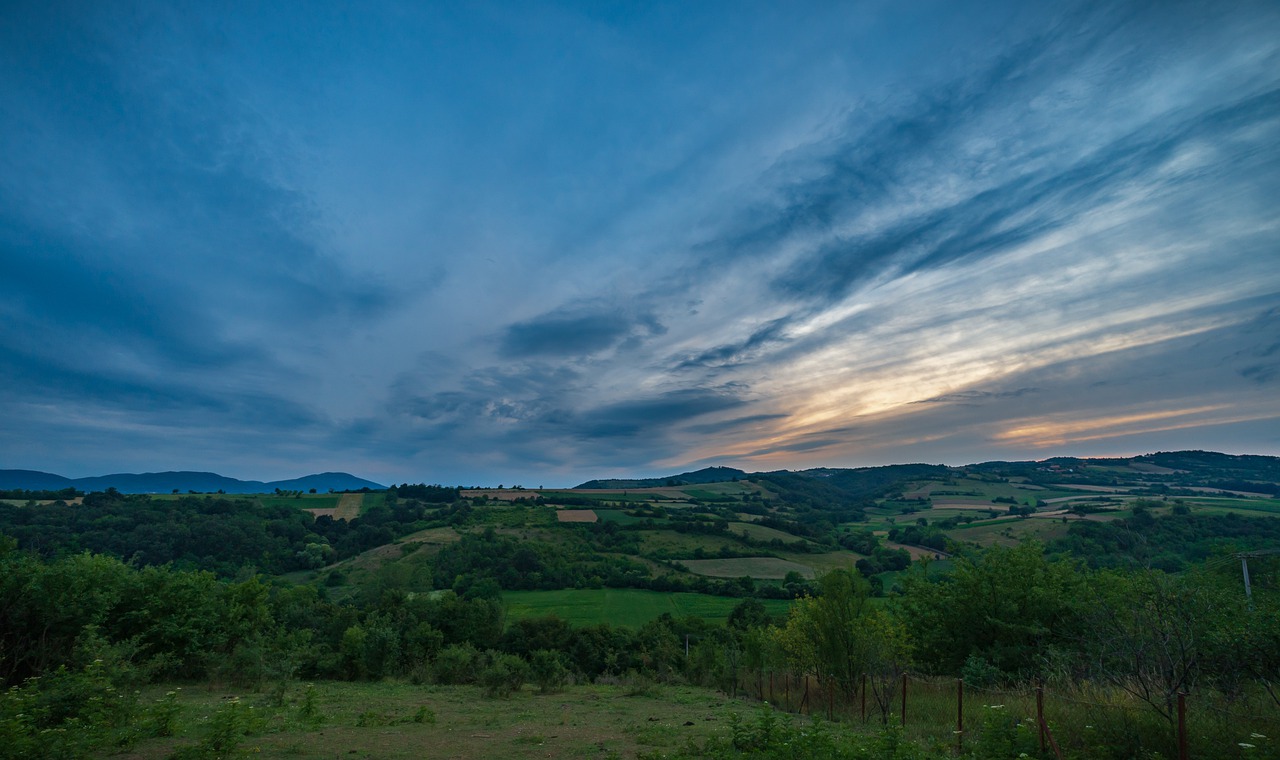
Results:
[181, 481]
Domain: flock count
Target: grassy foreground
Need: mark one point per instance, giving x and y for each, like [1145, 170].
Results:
[400, 720]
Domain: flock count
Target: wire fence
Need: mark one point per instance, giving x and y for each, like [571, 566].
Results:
[1076, 721]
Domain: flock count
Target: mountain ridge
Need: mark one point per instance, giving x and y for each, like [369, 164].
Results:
[181, 480]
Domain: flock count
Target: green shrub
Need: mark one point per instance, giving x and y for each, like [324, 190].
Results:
[504, 676]
[456, 664]
[547, 669]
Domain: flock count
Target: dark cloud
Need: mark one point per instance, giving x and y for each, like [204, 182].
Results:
[737, 353]
[656, 414]
[575, 332]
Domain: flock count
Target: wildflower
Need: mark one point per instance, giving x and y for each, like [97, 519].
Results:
[1246, 745]
[1257, 736]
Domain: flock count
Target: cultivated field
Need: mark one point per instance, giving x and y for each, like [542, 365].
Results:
[576, 516]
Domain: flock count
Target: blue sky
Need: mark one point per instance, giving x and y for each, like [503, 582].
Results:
[541, 242]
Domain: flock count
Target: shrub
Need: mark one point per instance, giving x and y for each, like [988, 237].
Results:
[504, 676]
[456, 664]
[548, 671]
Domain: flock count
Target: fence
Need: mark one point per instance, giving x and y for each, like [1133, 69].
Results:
[1078, 721]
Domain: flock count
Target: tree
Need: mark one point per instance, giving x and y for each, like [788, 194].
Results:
[1009, 606]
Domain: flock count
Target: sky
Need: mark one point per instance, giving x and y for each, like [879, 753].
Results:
[542, 242]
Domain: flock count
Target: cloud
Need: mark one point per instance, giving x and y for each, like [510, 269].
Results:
[574, 332]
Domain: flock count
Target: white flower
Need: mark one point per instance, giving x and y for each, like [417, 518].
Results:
[1246, 745]
[1257, 736]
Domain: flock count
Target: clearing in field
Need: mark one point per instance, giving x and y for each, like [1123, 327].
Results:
[576, 515]
[767, 568]
[624, 606]
[349, 506]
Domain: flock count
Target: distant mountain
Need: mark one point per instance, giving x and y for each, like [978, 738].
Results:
[705, 475]
[30, 480]
[183, 481]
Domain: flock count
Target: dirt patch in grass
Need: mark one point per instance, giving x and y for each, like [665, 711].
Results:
[333, 512]
[576, 515]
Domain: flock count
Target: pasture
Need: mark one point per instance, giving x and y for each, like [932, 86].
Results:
[624, 607]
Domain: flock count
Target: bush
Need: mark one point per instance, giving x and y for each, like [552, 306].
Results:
[504, 676]
[456, 664]
[548, 671]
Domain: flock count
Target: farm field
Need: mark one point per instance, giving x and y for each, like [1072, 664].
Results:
[766, 568]
[624, 607]
[821, 563]
[684, 543]
[1011, 531]
[763, 533]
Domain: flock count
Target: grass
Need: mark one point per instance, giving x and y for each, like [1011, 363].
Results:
[762, 533]
[756, 567]
[673, 542]
[624, 607]
[305, 501]
[397, 720]
[618, 516]
[821, 563]
[1008, 532]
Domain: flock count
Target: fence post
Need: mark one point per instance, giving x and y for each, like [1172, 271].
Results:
[904, 700]
[1040, 714]
[959, 715]
[771, 687]
[1183, 754]
[864, 697]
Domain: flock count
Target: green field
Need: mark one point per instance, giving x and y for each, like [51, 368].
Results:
[767, 568]
[684, 543]
[629, 607]
[762, 533]
[617, 516]
[306, 501]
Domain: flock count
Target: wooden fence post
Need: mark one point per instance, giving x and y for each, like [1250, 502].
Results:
[1183, 753]
[904, 699]
[864, 697]
[1040, 714]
